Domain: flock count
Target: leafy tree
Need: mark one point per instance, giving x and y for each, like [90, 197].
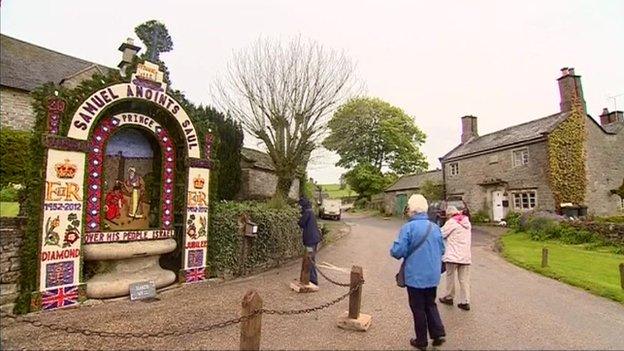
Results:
[373, 132]
[343, 182]
[282, 93]
[367, 180]
[432, 191]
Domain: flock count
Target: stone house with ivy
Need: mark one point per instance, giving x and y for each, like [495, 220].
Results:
[540, 164]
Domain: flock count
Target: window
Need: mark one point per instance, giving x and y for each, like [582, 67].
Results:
[454, 168]
[524, 200]
[520, 157]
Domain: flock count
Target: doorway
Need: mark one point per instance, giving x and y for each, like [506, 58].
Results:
[497, 206]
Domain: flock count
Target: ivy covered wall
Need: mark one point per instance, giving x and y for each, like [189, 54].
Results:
[567, 157]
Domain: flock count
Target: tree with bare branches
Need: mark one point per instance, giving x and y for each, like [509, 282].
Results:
[283, 93]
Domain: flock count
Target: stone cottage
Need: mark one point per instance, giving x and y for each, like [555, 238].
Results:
[396, 195]
[508, 170]
[25, 66]
[258, 176]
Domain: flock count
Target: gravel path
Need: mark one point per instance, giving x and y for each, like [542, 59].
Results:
[512, 308]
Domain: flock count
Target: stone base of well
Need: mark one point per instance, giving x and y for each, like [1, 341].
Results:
[128, 263]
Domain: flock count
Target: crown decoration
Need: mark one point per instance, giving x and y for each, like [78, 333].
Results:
[65, 169]
[198, 182]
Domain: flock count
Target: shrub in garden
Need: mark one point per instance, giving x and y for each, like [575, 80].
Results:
[513, 220]
[14, 146]
[480, 217]
[9, 193]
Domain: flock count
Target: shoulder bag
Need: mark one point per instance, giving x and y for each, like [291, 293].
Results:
[400, 277]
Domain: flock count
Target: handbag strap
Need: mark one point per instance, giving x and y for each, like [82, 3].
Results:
[422, 240]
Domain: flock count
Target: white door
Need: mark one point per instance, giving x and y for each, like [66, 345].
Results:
[497, 206]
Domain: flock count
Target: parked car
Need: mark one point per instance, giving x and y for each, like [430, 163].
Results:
[437, 210]
[330, 208]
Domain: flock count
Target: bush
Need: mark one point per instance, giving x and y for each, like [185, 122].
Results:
[513, 220]
[361, 203]
[480, 217]
[279, 237]
[9, 194]
[527, 217]
[14, 146]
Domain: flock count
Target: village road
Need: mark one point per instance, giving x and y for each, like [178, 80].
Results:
[511, 308]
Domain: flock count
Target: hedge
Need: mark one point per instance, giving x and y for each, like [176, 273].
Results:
[14, 146]
[279, 237]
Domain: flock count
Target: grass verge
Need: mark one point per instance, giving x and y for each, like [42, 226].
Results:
[9, 209]
[593, 271]
[334, 191]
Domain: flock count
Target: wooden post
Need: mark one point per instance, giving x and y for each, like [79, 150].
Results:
[544, 257]
[622, 275]
[355, 299]
[251, 328]
[304, 279]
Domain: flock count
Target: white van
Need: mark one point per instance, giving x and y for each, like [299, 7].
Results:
[330, 208]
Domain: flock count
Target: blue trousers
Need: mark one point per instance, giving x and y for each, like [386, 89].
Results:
[426, 316]
[312, 254]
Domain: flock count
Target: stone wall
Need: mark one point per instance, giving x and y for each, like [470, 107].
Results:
[495, 171]
[16, 109]
[11, 234]
[605, 170]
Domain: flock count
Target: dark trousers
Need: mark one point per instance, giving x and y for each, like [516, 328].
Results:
[426, 315]
[312, 256]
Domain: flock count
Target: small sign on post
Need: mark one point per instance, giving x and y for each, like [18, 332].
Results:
[142, 290]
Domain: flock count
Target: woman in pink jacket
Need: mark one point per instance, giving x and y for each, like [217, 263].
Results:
[457, 232]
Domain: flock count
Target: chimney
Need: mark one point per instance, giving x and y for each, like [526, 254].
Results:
[610, 117]
[129, 50]
[570, 88]
[469, 128]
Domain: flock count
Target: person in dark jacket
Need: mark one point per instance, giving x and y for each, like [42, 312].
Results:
[311, 236]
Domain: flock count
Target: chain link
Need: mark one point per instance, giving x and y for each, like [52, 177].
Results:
[186, 331]
[325, 275]
[316, 308]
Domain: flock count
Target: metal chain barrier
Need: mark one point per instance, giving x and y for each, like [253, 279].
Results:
[313, 309]
[325, 275]
[187, 331]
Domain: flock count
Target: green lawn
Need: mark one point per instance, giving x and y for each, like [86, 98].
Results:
[335, 192]
[594, 271]
[9, 209]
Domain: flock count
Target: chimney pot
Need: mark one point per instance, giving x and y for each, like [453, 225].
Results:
[570, 89]
[469, 128]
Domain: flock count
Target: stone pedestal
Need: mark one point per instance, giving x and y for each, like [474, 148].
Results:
[362, 323]
[301, 288]
[127, 263]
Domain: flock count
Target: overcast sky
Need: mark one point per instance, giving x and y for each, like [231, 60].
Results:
[438, 60]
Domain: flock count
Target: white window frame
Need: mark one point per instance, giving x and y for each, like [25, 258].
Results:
[524, 154]
[523, 201]
[454, 169]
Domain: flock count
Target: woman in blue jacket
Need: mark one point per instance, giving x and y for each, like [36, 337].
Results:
[422, 270]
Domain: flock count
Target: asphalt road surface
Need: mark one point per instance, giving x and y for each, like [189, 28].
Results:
[511, 308]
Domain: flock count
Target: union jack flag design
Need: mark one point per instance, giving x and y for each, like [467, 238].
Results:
[195, 275]
[61, 297]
